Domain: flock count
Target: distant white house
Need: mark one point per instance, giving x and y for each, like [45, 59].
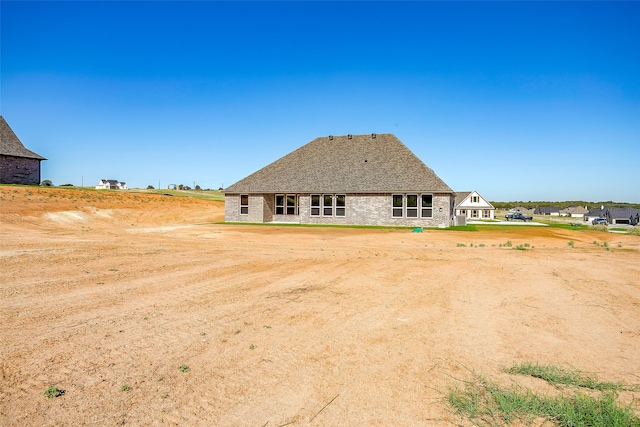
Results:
[111, 184]
[472, 205]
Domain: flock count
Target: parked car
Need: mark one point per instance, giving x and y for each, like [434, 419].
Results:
[517, 215]
[599, 221]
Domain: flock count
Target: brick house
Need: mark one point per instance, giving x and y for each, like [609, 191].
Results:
[351, 179]
[17, 164]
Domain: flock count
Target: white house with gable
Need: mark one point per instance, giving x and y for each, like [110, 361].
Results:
[472, 205]
[111, 184]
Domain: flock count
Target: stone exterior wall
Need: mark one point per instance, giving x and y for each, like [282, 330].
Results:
[360, 209]
[19, 170]
[256, 209]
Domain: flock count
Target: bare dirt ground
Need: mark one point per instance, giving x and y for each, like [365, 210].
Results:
[106, 295]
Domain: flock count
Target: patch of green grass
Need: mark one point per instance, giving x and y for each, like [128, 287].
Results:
[570, 226]
[571, 243]
[556, 375]
[485, 403]
[468, 227]
[125, 387]
[213, 195]
[460, 245]
[184, 368]
[53, 391]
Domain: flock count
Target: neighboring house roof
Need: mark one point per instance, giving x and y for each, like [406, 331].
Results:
[10, 145]
[345, 164]
[462, 196]
[623, 213]
[574, 210]
[596, 212]
[547, 210]
[522, 209]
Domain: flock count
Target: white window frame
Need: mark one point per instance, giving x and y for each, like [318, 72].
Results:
[424, 208]
[395, 209]
[285, 207]
[340, 205]
[415, 211]
[317, 208]
[244, 208]
[327, 209]
[411, 211]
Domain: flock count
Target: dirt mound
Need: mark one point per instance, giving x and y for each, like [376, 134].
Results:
[146, 312]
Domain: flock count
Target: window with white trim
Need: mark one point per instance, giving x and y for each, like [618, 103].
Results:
[398, 206]
[327, 205]
[291, 204]
[485, 213]
[315, 205]
[244, 204]
[341, 202]
[412, 206]
[286, 204]
[426, 206]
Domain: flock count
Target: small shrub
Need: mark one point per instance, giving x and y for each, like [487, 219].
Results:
[461, 245]
[184, 368]
[635, 230]
[125, 387]
[150, 187]
[53, 391]
[571, 243]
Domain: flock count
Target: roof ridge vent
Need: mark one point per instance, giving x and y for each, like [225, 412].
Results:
[350, 136]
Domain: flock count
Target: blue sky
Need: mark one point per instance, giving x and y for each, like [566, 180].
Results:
[518, 100]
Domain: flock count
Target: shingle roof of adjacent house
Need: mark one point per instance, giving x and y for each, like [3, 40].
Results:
[345, 164]
[546, 210]
[574, 210]
[460, 196]
[623, 213]
[10, 145]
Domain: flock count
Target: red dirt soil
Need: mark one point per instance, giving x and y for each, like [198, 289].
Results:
[107, 294]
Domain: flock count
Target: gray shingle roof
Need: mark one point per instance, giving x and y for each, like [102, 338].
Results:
[460, 196]
[345, 164]
[10, 145]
